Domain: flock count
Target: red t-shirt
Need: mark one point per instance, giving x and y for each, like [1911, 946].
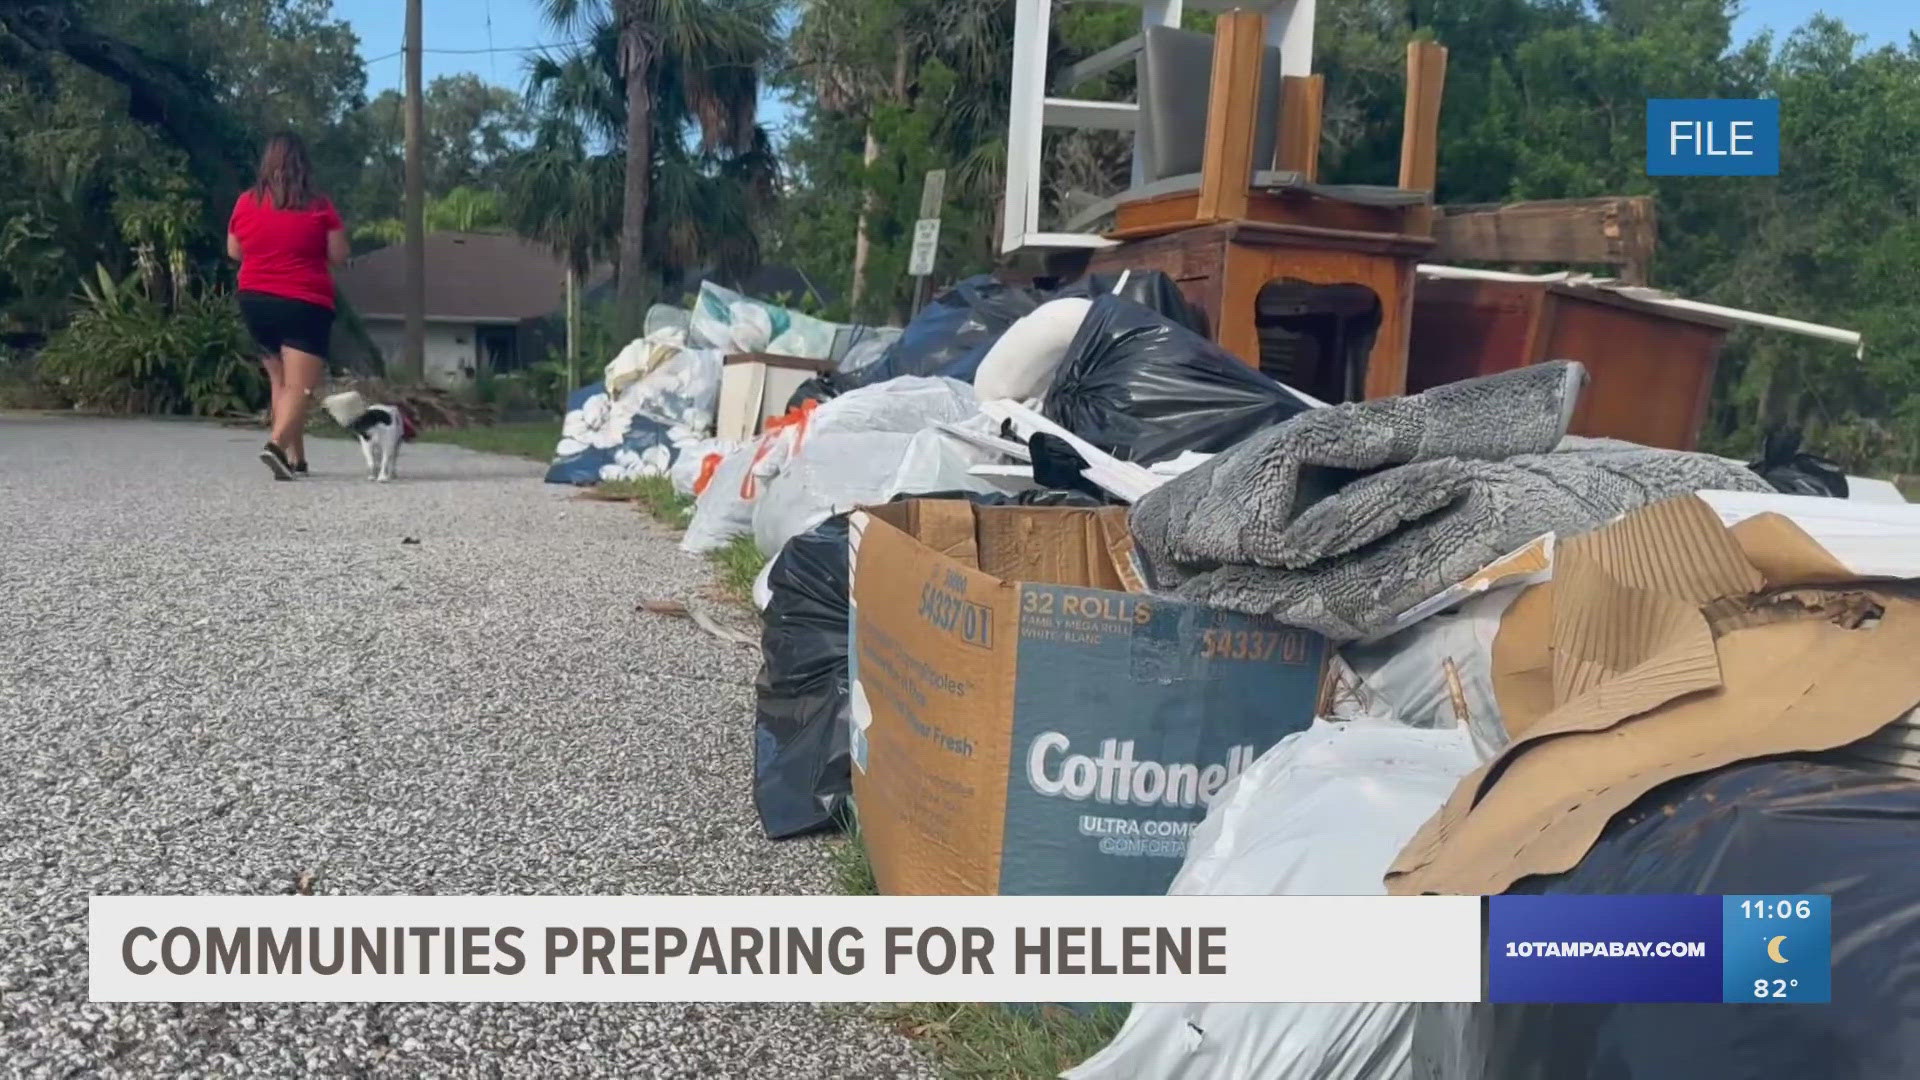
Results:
[284, 252]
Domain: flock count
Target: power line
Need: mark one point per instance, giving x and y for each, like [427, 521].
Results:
[477, 52]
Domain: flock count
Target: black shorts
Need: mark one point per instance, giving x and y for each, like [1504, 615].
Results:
[276, 321]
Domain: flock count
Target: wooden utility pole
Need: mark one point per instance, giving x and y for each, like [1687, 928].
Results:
[413, 355]
[573, 326]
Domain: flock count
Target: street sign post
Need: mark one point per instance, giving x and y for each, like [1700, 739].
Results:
[926, 244]
[933, 192]
[926, 234]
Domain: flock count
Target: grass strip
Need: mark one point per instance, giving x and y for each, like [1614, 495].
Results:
[735, 565]
[982, 1041]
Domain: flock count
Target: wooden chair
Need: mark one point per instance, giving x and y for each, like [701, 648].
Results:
[1244, 225]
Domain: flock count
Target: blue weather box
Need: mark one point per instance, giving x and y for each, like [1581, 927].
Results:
[1713, 137]
[1778, 948]
[1567, 949]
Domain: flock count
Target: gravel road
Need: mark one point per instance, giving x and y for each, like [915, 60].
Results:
[211, 683]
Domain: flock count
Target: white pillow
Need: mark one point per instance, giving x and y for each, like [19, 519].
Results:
[1020, 365]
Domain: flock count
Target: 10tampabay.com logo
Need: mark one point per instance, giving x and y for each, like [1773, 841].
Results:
[1713, 137]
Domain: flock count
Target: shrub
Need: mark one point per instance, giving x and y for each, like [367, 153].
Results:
[530, 391]
[127, 352]
[23, 387]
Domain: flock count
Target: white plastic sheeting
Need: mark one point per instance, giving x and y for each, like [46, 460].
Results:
[864, 446]
[837, 471]
[1869, 490]
[1438, 673]
[641, 356]
[1872, 539]
[1322, 814]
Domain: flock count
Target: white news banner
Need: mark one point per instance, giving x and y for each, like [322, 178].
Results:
[785, 948]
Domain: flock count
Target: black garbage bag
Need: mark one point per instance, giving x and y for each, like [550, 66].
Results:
[967, 365]
[802, 776]
[1788, 470]
[1776, 827]
[1059, 467]
[800, 780]
[821, 387]
[960, 323]
[1151, 289]
[1144, 388]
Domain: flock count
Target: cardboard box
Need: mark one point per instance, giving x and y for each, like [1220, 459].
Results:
[1665, 645]
[1027, 720]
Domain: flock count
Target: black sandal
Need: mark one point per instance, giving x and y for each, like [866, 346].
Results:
[276, 460]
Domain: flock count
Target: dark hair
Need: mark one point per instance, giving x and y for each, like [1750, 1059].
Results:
[286, 176]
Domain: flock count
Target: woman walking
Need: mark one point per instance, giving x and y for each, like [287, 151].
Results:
[285, 235]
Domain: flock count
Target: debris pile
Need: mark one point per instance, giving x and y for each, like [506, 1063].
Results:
[1065, 599]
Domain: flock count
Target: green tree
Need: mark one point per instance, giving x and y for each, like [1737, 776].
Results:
[463, 209]
[565, 196]
[659, 68]
[126, 129]
[1545, 99]
[886, 92]
[472, 129]
[287, 64]
[105, 102]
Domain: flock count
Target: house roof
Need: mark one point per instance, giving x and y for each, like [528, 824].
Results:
[485, 277]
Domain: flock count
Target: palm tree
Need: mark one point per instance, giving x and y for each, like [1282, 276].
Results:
[649, 68]
[564, 196]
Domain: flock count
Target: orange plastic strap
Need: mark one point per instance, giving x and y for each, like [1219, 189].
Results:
[708, 466]
[796, 418]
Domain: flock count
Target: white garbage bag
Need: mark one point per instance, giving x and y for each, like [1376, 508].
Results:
[905, 404]
[725, 509]
[841, 470]
[681, 390]
[1323, 813]
[1020, 365]
[865, 447]
[1432, 672]
[667, 317]
[692, 464]
[873, 343]
[828, 469]
[725, 320]
[936, 461]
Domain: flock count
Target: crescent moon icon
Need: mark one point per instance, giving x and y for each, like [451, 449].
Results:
[1773, 950]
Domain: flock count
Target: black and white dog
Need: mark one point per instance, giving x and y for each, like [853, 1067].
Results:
[380, 429]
